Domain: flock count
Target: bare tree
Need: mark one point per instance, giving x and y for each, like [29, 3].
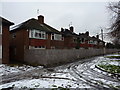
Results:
[115, 27]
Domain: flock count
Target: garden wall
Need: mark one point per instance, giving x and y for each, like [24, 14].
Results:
[50, 57]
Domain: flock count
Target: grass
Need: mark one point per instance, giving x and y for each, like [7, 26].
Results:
[116, 57]
[111, 68]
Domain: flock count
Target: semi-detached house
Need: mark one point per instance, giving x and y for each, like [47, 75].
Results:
[33, 34]
[36, 34]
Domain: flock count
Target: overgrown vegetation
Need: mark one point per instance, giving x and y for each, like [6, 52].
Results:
[111, 68]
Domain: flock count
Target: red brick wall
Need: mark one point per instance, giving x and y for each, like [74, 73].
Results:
[57, 44]
[68, 43]
[38, 42]
[19, 43]
[5, 44]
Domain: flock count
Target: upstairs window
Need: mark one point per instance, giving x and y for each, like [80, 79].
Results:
[37, 34]
[56, 37]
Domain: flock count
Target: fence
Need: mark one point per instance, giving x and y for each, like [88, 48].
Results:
[55, 57]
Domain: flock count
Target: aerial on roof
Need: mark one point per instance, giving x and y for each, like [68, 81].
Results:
[5, 21]
[35, 24]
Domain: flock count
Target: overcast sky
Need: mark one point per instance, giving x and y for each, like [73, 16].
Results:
[85, 16]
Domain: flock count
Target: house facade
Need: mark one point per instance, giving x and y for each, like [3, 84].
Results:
[33, 34]
[36, 34]
[4, 39]
[70, 38]
[81, 40]
[87, 41]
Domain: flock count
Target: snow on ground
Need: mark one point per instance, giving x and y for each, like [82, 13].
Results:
[6, 69]
[44, 83]
[57, 78]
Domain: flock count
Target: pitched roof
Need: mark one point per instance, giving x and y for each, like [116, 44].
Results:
[67, 32]
[5, 21]
[34, 24]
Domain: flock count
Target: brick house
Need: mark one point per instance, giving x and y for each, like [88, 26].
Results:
[70, 38]
[4, 35]
[83, 40]
[33, 34]
[87, 41]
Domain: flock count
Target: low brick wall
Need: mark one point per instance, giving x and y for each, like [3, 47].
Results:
[56, 57]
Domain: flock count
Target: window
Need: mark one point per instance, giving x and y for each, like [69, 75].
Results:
[37, 34]
[95, 42]
[32, 34]
[100, 43]
[75, 40]
[82, 40]
[52, 47]
[37, 47]
[91, 42]
[56, 37]
[52, 36]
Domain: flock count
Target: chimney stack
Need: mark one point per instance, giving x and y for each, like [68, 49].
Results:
[72, 29]
[62, 30]
[41, 19]
[87, 33]
[97, 36]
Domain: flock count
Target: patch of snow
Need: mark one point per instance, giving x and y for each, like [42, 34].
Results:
[5, 69]
[44, 83]
[114, 63]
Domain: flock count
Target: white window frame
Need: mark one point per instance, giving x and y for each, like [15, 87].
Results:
[33, 32]
[56, 37]
[91, 42]
[95, 42]
[52, 35]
